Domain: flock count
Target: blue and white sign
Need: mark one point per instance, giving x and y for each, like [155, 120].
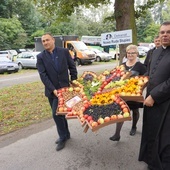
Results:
[117, 37]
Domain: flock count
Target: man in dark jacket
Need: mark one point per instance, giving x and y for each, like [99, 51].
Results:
[155, 142]
[54, 65]
[149, 53]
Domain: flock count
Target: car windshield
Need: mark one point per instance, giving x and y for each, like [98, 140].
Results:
[4, 59]
[80, 45]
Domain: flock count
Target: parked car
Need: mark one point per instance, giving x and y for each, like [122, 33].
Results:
[14, 54]
[6, 65]
[26, 59]
[101, 55]
[142, 53]
[143, 48]
[115, 55]
[21, 50]
[6, 53]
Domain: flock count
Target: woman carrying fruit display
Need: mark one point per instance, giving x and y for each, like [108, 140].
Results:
[136, 68]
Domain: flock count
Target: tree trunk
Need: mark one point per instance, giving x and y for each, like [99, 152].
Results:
[124, 15]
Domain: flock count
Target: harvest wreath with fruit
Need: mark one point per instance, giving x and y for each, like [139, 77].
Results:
[99, 100]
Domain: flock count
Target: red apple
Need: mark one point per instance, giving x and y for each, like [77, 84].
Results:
[86, 116]
[63, 90]
[106, 119]
[89, 118]
[123, 106]
[121, 103]
[125, 109]
[61, 109]
[59, 94]
[69, 109]
[94, 124]
[113, 117]
[91, 121]
[122, 73]
[83, 108]
[86, 105]
[117, 100]
[86, 102]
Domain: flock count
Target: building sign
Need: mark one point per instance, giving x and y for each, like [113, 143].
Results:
[117, 37]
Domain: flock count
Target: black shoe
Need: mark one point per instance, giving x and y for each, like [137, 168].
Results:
[115, 138]
[60, 145]
[58, 140]
[133, 131]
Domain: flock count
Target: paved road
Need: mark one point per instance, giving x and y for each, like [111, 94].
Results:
[12, 79]
[33, 148]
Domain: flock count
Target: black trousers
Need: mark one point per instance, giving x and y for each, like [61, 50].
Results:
[165, 158]
[60, 120]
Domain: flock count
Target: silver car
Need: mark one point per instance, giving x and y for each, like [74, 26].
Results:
[6, 65]
[143, 49]
[6, 54]
[101, 55]
[27, 59]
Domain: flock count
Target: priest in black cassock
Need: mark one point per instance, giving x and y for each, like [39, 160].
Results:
[155, 141]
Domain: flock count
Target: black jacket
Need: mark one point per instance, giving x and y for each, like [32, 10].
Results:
[52, 77]
[156, 119]
[148, 58]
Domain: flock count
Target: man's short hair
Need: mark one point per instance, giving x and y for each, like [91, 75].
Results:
[166, 23]
[156, 37]
[48, 33]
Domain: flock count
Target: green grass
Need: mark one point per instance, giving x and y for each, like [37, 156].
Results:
[22, 105]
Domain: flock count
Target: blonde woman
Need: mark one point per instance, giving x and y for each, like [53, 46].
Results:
[137, 68]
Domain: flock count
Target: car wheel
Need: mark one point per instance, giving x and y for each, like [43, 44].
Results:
[98, 59]
[20, 66]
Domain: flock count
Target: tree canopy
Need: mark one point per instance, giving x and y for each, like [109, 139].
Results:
[11, 33]
[125, 12]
